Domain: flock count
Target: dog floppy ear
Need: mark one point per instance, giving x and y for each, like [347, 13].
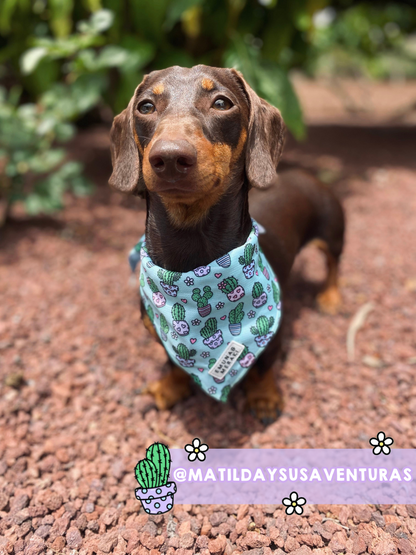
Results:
[265, 138]
[124, 150]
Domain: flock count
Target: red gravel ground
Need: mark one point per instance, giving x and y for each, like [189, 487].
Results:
[74, 356]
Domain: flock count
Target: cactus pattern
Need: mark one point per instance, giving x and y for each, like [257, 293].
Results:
[259, 295]
[142, 280]
[224, 393]
[211, 362]
[263, 269]
[237, 314]
[246, 358]
[262, 330]
[276, 293]
[204, 309]
[184, 355]
[197, 379]
[164, 328]
[146, 474]
[157, 296]
[230, 286]
[151, 314]
[178, 314]
[167, 281]
[212, 337]
[159, 455]
[248, 255]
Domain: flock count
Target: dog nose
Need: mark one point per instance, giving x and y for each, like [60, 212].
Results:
[172, 159]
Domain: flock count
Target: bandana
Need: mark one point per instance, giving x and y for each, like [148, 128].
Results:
[216, 320]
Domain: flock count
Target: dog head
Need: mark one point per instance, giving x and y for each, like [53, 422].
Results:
[191, 135]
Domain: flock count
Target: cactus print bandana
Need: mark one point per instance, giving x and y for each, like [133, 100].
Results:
[218, 317]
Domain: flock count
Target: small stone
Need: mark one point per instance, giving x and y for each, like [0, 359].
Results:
[405, 547]
[53, 501]
[218, 518]
[338, 542]
[73, 538]
[206, 529]
[242, 511]
[291, 544]
[411, 510]
[202, 542]
[108, 542]
[186, 541]
[218, 545]
[35, 546]
[43, 530]
[254, 539]
[184, 528]
[19, 502]
[58, 544]
[385, 547]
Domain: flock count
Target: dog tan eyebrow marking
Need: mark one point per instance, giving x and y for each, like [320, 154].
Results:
[158, 89]
[207, 84]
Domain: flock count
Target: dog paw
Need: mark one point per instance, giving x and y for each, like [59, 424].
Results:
[329, 301]
[170, 390]
[264, 401]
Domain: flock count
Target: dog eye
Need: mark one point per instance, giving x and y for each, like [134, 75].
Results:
[222, 104]
[147, 108]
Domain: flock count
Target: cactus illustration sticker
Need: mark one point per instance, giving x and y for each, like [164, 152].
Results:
[156, 491]
[216, 320]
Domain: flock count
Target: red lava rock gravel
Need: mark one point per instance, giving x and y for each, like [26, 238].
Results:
[74, 356]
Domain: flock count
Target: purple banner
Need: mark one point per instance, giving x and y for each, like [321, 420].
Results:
[322, 476]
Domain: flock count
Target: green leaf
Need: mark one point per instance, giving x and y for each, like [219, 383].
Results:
[31, 59]
[101, 21]
[177, 9]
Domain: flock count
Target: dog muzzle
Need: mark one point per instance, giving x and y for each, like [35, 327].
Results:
[214, 321]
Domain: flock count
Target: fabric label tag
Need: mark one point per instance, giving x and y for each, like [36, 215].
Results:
[226, 360]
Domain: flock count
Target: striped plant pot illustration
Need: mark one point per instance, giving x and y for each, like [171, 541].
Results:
[224, 261]
[204, 310]
[235, 329]
[159, 500]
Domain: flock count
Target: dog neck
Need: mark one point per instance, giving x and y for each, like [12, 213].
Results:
[225, 227]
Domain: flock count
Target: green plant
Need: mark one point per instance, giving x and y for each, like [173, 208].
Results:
[33, 168]
[184, 352]
[263, 325]
[159, 455]
[168, 277]
[209, 329]
[163, 324]
[257, 290]
[237, 314]
[178, 312]
[146, 474]
[276, 293]
[202, 300]
[228, 285]
[248, 255]
[150, 313]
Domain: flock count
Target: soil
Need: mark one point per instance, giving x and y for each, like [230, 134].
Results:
[74, 357]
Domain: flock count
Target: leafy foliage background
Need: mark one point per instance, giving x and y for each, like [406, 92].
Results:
[60, 59]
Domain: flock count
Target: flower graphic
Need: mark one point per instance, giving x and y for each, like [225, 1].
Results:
[381, 443]
[212, 390]
[269, 288]
[189, 281]
[219, 306]
[294, 503]
[233, 373]
[251, 314]
[174, 335]
[196, 322]
[205, 354]
[196, 450]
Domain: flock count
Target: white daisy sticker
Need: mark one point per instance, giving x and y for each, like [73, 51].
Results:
[294, 503]
[381, 443]
[196, 450]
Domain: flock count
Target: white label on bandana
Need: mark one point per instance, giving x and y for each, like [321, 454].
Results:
[226, 360]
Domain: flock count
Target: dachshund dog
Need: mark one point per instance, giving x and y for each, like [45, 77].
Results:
[194, 142]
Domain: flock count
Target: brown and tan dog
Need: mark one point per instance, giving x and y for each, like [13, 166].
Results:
[193, 142]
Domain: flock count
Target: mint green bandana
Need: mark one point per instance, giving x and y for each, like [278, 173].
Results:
[216, 320]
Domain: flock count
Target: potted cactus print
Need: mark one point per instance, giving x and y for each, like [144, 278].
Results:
[184, 355]
[179, 324]
[276, 293]
[204, 308]
[212, 337]
[224, 261]
[263, 268]
[235, 317]
[155, 492]
[202, 271]
[196, 379]
[262, 330]
[247, 261]
[150, 313]
[230, 287]
[167, 281]
[259, 295]
[142, 280]
[211, 363]
[224, 393]
[164, 328]
[246, 358]
[158, 299]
